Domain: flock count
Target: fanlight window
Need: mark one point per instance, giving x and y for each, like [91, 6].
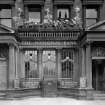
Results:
[67, 64]
[31, 70]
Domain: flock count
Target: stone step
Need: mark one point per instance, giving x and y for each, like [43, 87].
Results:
[99, 96]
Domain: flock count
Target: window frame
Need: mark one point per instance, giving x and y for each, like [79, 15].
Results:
[8, 7]
[31, 64]
[97, 8]
[35, 8]
[67, 60]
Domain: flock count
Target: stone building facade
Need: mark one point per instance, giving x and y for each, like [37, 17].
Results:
[52, 48]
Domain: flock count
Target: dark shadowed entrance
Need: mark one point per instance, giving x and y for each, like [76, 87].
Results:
[98, 74]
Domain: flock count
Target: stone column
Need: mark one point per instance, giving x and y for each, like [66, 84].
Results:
[88, 66]
[75, 65]
[83, 62]
[16, 82]
[22, 64]
[83, 69]
[11, 66]
[40, 66]
[58, 60]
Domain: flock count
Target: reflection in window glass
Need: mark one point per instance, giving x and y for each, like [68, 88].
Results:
[91, 16]
[34, 14]
[5, 13]
[49, 64]
[5, 17]
[31, 70]
[63, 13]
[90, 21]
[6, 22]
[67, 64]
[91, 13]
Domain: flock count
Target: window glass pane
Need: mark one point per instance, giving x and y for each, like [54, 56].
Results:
[31, 70]
[49, 63]
[5, 13]
[67, 64]
[34, 16]
[90, 22]
[91, 13]
[6, 22]
[63, 13]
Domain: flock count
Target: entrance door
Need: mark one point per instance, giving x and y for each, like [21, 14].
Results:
[98, 74]
[49, 73]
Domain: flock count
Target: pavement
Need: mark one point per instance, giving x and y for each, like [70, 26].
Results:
[51, 101]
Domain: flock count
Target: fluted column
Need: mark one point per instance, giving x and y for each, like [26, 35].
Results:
[11, 66]
[88, 66]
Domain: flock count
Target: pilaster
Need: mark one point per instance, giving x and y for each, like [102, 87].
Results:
[22, 64]
[16, 82]
[11, 66]
[58, 64]
[40, 67]
[88, 66]
[76, 65]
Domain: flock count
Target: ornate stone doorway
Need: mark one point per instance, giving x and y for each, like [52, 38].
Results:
[98, 74]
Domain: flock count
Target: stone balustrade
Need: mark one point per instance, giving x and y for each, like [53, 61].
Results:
[49, 35]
